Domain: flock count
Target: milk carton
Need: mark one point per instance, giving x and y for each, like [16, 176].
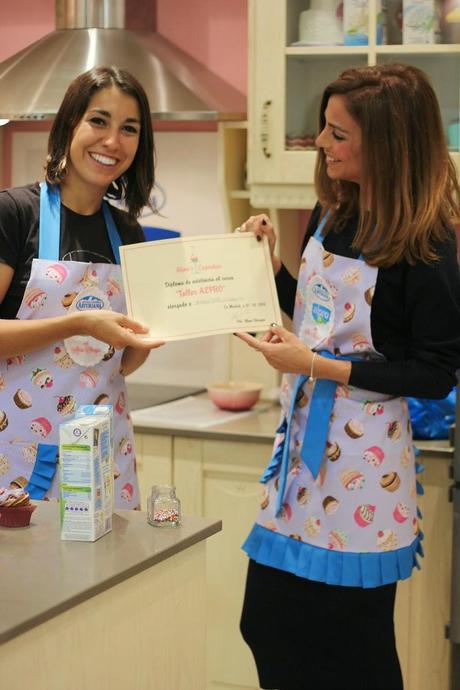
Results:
[420, 22]
[356, 22]
[105, 411]
[86, 478]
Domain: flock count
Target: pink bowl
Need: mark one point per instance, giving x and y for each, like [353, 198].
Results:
[236, 396]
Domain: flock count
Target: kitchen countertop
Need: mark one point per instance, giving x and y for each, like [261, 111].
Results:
[255, 427]
[43, 576]
[142, 395]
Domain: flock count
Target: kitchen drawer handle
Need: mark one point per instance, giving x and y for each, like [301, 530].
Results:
[264, 129]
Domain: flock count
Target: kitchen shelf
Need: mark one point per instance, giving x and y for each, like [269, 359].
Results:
[244, 364]
[286, 82]
[239, 194]
[418, 49]
[412, 49]
[327, 50]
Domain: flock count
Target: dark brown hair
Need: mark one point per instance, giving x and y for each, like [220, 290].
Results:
[408, 193]
[135, 185]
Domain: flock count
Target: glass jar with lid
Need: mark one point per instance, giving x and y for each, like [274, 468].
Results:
[163, 506]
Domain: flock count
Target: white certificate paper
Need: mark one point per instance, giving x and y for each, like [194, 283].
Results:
[197, 286]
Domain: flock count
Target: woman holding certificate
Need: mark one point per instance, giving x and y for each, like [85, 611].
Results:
[376, 316]
[65, 339]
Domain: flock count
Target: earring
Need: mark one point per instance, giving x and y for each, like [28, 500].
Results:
[62, 167]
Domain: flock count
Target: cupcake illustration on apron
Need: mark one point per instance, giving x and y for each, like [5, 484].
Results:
[39, 390]
[339, 501]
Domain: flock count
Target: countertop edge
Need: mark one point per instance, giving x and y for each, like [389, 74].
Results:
[218, 434]
[439, 449]
[74, 600]
[256, 427]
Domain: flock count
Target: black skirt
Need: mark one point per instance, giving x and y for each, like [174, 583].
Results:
[307, 635]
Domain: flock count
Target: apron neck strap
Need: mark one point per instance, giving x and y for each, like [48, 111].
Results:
[49, 222]
[49, 229]
[319, 232]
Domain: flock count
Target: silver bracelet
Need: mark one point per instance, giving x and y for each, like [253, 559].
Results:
[311, 366]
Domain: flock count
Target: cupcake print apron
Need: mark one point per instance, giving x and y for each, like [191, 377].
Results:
[339, 501]
[40, 390]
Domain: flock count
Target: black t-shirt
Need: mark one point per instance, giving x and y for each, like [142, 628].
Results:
[415, 319]
[83, 238]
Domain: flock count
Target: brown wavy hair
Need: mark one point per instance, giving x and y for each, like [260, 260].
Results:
[136, 184]
[409, 195]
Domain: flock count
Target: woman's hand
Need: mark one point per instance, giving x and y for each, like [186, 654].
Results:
[132, 359]
[282, 350]
[115, 329]
[261, 227]
[18, 337]
[285, 352]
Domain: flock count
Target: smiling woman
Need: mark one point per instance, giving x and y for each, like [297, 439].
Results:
[341, 141]
[103, 147]
[376, 317]
[106, 100]
[62, 308]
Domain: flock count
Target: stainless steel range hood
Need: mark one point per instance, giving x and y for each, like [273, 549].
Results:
[90, 33]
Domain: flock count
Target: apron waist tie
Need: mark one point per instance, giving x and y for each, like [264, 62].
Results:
[43, 472]
[275, 462]
[316, 430]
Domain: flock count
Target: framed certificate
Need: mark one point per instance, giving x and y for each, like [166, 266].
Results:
[197, 286]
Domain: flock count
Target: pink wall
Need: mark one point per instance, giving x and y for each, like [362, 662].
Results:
[214, 32]
[22, 22]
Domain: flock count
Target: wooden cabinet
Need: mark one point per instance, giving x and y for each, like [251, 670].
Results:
[423, 602]
[2, 167]
[233, 173]
[220, 479]
[153, 462]
[244, 364]
[286, 80]
[234, 150]
[215, 478]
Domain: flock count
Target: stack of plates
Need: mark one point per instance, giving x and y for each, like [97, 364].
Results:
[319, 28]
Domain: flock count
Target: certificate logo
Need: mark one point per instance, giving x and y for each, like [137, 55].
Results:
[194, 261]
[195, 265]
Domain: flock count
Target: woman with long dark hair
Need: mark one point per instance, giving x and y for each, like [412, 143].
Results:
[65, 339]
[376, 317]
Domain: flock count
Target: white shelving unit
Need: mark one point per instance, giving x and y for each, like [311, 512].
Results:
[244, 364]
[286, 83]
[258, 173]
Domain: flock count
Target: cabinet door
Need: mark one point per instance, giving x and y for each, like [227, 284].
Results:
[231, 489]
[221, 479]
[266, 88]
[428, 661]
[287, 78]
[286, 83]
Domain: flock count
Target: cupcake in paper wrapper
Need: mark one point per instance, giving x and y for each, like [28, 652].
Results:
[15, 508]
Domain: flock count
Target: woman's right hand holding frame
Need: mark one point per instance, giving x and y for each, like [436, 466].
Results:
[261, 226]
